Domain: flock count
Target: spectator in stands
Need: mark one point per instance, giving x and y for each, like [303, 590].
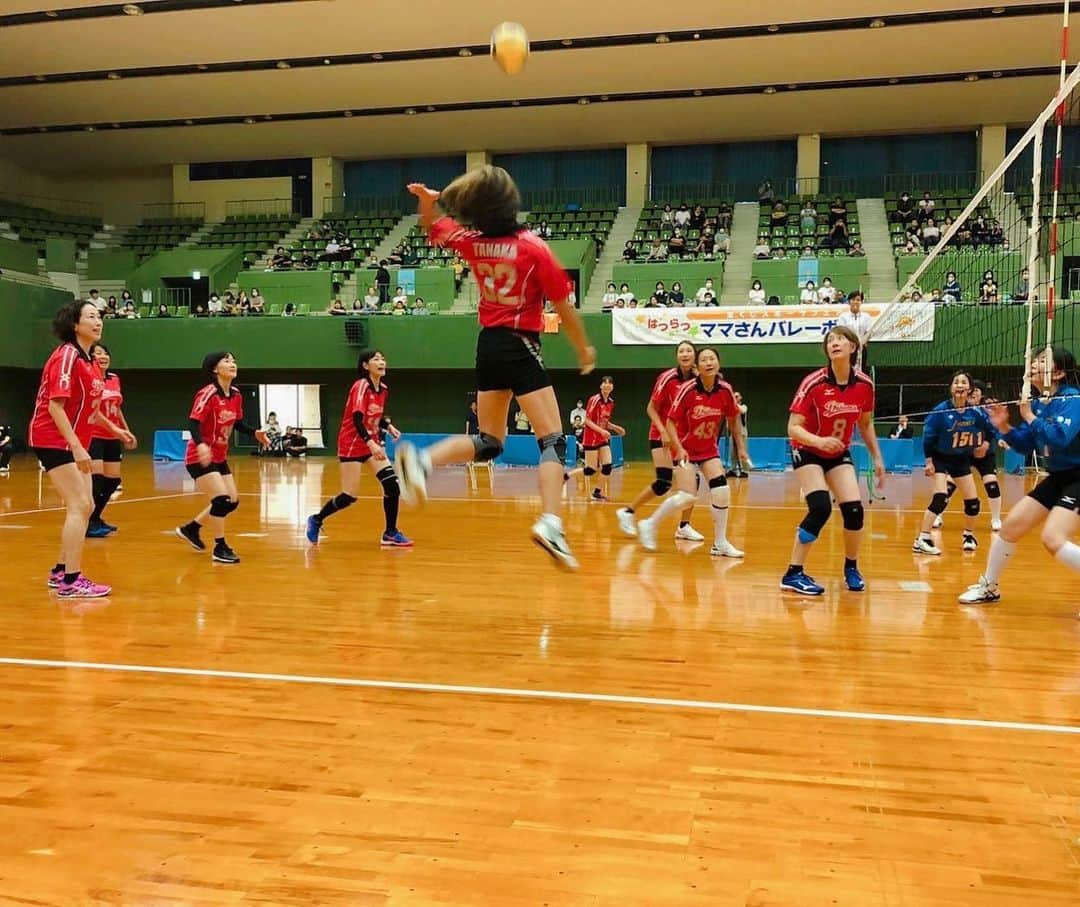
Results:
[697, 218]
[905, 209]
[129, 310]
[723, 239]
[837, 237]
[258, 304]
[542, 230]
[125, 298]
[902, 430]
[856, 250]
[382, 281]
[200, 311]
[914, 232]
[401, 296]
[419, 307]
[676, 297]
[707, 289]
[952, 292]
[910, 248]
[808, 216]
[289, 311]
[657, 251]
[214, 306]
[856, 319]
[996, 235]
[397, 257]
[371, 299]
[654, 303]
[282, 260]
[808, 252]
[460, 269]
[916, 296]
[723, 217]
[837, 211]
[779, 253]
[660, 292]
[111, 309]
[826, 292]
[624, 293]
[295, 443]
[706, 244]
[935, 295]
[610, 297]
[765, 192]
[809, 294]
[472, 420]
[337, 307]
[244, 308]
[1022, 287]
[629, 252]
[632, 304]
[163, 311]
[931, 235]
[757, 293]
[926, 207]
[708, 300]
[667, 216]
[676, 245]
[682, 217]
[400, 306]
[599, 241]
[761, 250]
[988, 289]
[778, 216]
[97, 299]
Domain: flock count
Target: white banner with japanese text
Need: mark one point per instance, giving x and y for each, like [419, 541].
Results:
[766, 324]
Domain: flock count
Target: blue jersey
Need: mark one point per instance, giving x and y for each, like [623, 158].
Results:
[1054, 433]
[949, 432]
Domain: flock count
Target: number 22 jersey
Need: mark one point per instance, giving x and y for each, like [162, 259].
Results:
[830, 409]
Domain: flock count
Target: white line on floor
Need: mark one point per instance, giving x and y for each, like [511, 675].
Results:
[557, 695]
[156, 497]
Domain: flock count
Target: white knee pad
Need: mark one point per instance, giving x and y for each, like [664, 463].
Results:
[683, 499]
[720, 497]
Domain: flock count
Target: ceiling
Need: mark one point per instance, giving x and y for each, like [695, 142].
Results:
[300, 111]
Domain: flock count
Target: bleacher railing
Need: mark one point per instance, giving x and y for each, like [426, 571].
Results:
[676, 193]
[559, 198]
[933, 181]
[246, 206]
[173, 210]
[65, 206]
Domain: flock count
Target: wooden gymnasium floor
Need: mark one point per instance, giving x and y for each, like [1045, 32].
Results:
[462, 724]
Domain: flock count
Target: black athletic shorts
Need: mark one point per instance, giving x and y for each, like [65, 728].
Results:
[509, 360]
[606, 444]
[802, 456]
[986, 466]
[108, 450]
[1059, 489]
[655, 443]
[953, 467]
[361, 459]
[51, 457]
[197, 471]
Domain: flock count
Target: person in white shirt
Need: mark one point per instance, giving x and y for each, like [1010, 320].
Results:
[624, 293]
[401, 296]
[757, 293]
[856, 319]
[700, 295]
[610, 297]
[332, 250]
[97, 300]
[371, 298]
[826, 292]
[214, 306]
[809, 294]
[682, 216]
[761, 250]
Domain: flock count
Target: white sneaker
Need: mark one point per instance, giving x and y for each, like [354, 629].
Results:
[725, 549]
[549, 536]
[995, 525]
[982, 593]
[5, 470]
[411, 475]
[646, 533]
[939, 521]
[925, 546]
[626, 522]
[970, 543]
[688, 533]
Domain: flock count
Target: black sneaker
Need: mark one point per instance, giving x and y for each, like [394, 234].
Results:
[191, 536]
[223, 554]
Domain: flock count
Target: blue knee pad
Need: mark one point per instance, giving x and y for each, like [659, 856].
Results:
[819, 505]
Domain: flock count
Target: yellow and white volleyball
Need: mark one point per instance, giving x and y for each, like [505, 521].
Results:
[510, 47]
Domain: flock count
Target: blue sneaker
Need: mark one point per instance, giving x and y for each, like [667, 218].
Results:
[396, 539]
[801, 583]
[854, 580]
[97, 531]
[110, 527]
[314, 525]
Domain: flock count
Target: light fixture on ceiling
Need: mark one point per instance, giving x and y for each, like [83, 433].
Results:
[698, 92]
[567, 42]
[997, 10]
[697, 36]
[430, 108]
[202, 67]
[583, 101]
[464, 52]
[39, 78]
[971, 77]
[894, 81]
[347, 114]
[267, 117]
[877, 23]
[410, 111]
[605, 97]
[770, 90]
[249, 121]
[131, 9]
[663, 39]
[43, 129]
[376, 56]
[283, 64]
[91, 129]
[113, 76]
[773, 28]
[52, 14]
[792, 86]
[189, 122]
[326, 61]
[997, 74]
[515, 103]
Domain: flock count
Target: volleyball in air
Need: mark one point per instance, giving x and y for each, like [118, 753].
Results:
[510, 47]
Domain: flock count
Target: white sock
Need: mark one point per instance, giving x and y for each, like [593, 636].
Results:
[720, 498]
[1000, 552]
[677, 501]
[425, 461]
[995, 509]
[1069, 555]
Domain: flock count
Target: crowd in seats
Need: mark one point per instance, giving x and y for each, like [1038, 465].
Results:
[370, 304]
[683, 231]
[159, 234]
[253, 233]
[341, 242]
[809, 228]
[809, 294]
[917, 226]
[991, 291]
[33, 224]
[573, 221]
[662, 297]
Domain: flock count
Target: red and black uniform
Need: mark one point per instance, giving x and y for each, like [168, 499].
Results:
[598, 411]
[72, 376]
[516, 273]
[698, 413]
[667, 386]
[830, 409]
[104, 445]
[214, 415]
[364, 420]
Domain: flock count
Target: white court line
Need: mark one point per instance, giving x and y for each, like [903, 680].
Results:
[557, 695]
[157, 497]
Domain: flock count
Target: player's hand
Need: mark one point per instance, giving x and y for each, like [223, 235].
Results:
[679, 455]
[982, 450]
[999, 415]
[879, 473]
[831, 445]
[393, 432]
[81, 457]
[132, 442]
[605, 434]
[618, 429]
[204, 454]
[1025, 411]
[928, 469]
[587, 359]
[376, 450]
[423, 193]
[262, 438]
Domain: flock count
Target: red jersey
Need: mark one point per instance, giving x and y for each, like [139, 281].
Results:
[370, 404]
[72, 376]
[597, 410]
[697, 412]
[216, 415]
[112, 398]
[668, 384]
[516, 273]
[831, 409]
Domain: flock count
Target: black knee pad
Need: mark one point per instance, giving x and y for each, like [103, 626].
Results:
[605, 469]
[971, 506]
[950, 488]
[938, 503]
[219, 506]
[553, 449]
[342, 500]
[853, 514]
[589, 471]
[486, 447]
[389, 482]
[819, 505]
[662, 485]
[719, 481]
[233, 505]
[993, 490]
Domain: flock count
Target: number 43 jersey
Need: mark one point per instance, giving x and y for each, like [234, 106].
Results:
[516, 273]
[832, 409]
[954, 433]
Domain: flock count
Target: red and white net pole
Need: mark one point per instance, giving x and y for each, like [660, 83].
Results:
[1051, 294]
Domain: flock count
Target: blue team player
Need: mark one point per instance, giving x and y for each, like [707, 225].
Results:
[953, 434]
[1050, 427]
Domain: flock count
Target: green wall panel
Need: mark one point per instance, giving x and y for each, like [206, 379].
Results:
[969, 267]
[220, 265]
[60, 255]
[691, 274]
[108, 264]
[781, 278]
[313, 288]
[18, 256]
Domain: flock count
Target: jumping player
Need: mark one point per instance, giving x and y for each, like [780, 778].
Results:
[106, 451]
[516, 271]
[827, 407]
[597, 438]
[667, 386]
[694, 425]
[65, 412]
[952, 434]
[361, 441]
[1052, 427]
[218, 409]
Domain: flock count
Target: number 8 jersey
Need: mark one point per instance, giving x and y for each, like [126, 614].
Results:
[832, 409]
[516, 273]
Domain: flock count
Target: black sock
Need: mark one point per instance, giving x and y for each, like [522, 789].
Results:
[69, 578]
[339, 502]
[850, 564]
[97, 486]
[220, 543]
[390, 505]
[682, 523]
[629, 509]
[793, 569]
[59, 568]
[109, 484]
[192, 527]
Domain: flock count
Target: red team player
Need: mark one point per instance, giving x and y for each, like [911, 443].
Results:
[106, 450]
[516, 272]
[596, 439]
[361, 441]
[828, 405]
[218, 408]
[694, 426]
[61, 430]
[667, 386]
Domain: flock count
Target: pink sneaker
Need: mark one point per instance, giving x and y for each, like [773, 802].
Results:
[82, 588]
[56, 577]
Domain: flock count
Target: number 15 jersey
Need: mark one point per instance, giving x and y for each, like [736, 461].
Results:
[832, 409]
[516, 273]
